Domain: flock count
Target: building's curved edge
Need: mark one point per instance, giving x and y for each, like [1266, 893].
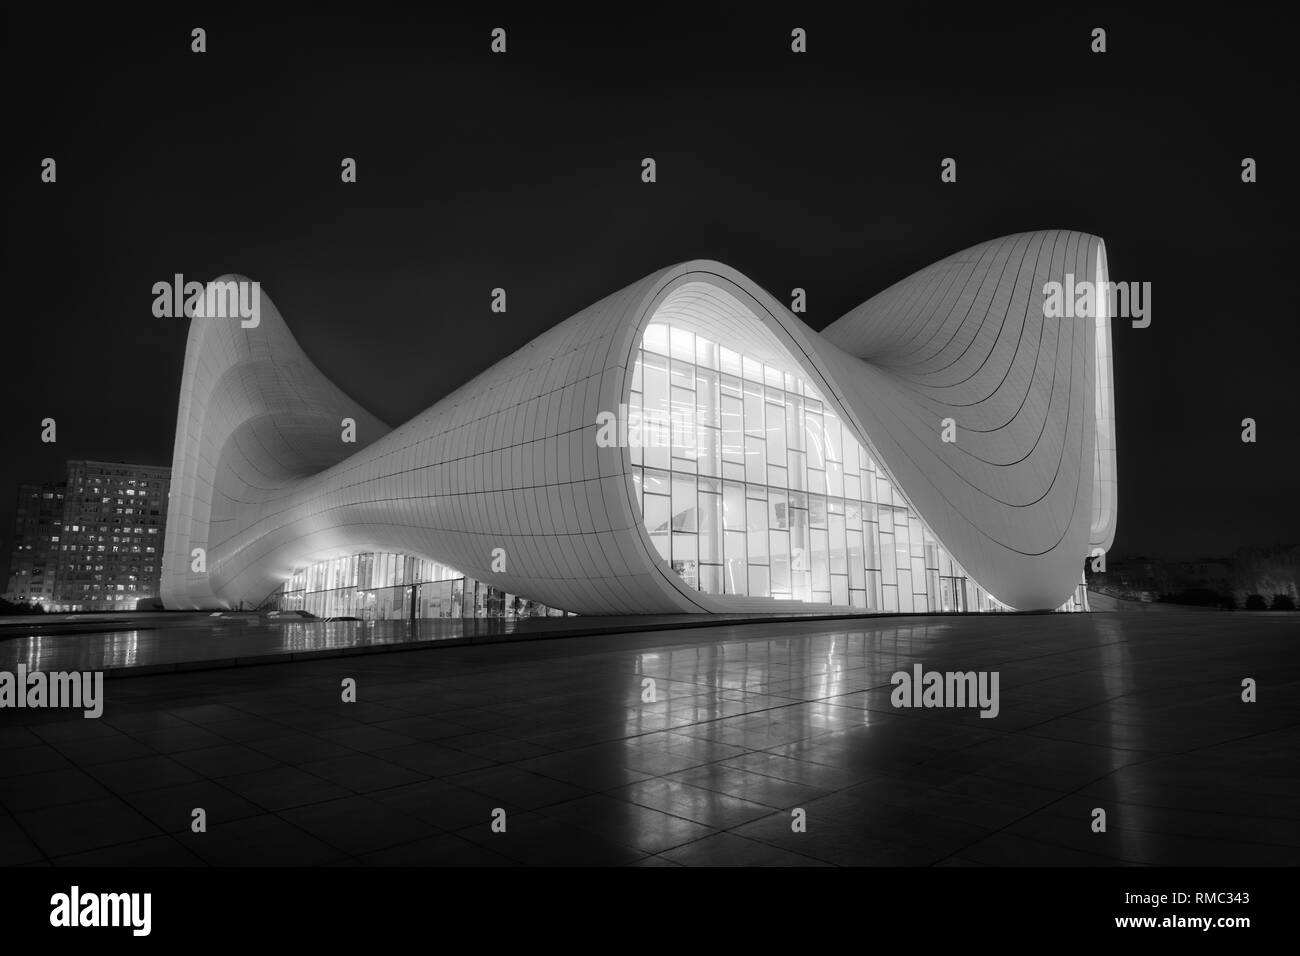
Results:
[254, 414]
[967, 340]
[235, 378]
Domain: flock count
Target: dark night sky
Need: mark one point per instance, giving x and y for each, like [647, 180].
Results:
[523, 171]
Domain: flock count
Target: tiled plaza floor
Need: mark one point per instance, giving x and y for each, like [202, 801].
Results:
[1140, 715]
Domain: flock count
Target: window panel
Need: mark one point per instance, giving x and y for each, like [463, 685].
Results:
[684, 513]
[852, 488]
[657, 482]
[779, 557]
[849, 450]
[706, 398]
[838, 552]
[733, 430]
[794, 424]
[884, 493]
[815, 441]
[656, 338]
[708, 456]
[797, 471]
[681, 375]
[756, 526]
[711, 578]
[736, 577]
[776, 437]
[820, 560]
[634, 439]
[686, 557]
[904, 592]
[683, 423]
[816, 511]
[889, 594]
[682, 344]
[831, 433]
[733, 500]
[755, 459]
[778, 510]
[835, 479]
[856, 558]
[710, 528]
[658, 522]
[706, 353]
[754, 411]
[655, 417]
[839, 589]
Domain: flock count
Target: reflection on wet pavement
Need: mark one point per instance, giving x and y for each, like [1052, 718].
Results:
[1140, 715]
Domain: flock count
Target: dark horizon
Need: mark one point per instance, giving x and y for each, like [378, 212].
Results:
[522, 172]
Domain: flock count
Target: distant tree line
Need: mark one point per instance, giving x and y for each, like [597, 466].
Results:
[1205, 597]
[21, 607]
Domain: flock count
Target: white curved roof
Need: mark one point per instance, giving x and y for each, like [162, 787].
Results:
[262, 481]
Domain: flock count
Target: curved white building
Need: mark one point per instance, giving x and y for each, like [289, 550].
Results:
[685, 445]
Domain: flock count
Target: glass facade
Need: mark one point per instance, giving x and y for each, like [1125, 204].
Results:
[387, 586]
[750, 484]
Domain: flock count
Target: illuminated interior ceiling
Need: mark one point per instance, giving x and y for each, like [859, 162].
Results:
[263, 483]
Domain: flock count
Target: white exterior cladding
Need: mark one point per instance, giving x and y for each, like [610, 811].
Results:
[264, 484]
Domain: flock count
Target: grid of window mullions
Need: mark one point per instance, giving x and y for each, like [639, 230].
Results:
[749, 485]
